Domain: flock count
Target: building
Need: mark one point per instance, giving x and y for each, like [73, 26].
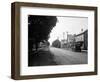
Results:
[82, 40]
[63, 43]
[68, 43]
[76, 42]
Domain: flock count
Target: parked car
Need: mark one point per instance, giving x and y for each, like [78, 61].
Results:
[78, 46]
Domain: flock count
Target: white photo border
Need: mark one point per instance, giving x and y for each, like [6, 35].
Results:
[35, 70]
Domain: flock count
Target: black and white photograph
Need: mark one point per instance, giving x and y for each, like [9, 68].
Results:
[57, 40]
[50, 40]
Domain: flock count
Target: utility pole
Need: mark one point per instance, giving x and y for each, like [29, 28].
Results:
[64, 35]
[67, 37]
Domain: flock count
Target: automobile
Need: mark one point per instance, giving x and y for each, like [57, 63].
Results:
[78, 46]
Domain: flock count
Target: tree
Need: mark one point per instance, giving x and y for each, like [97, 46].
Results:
[39, 28]
[56, 43]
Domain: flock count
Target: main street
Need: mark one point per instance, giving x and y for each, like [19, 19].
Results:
[56, 56]
[66, 57]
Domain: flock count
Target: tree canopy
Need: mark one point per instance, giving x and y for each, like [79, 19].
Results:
[39, 27]
[56, 43]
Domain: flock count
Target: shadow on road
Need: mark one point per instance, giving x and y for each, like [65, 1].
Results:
[41, 58]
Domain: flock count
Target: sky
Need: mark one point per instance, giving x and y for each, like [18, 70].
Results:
[70, 25]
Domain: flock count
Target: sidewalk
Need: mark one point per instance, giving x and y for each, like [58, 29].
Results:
[84, 51]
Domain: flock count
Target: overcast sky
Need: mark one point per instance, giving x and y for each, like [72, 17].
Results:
[72, 25]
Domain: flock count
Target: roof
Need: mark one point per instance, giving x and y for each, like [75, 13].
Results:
[81, 33]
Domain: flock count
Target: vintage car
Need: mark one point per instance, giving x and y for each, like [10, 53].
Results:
[78, 46]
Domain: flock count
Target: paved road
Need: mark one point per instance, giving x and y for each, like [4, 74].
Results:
[66, 57]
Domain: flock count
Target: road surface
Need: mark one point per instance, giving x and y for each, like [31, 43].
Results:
[68, 57]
